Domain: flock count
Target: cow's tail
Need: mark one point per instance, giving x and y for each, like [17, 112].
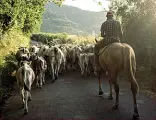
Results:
[25, 79]
[130, 66]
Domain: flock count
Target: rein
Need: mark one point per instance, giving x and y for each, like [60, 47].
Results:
[103, 50]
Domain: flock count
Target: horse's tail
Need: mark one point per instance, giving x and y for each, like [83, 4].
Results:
[130, 66]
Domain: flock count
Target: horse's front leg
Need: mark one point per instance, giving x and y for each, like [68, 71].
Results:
[110, 94]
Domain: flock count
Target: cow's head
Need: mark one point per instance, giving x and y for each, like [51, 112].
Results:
[33, 56]
[55, 50]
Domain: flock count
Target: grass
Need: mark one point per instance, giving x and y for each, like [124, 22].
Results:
[80, 40]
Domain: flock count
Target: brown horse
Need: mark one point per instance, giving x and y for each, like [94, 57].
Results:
[115, 58]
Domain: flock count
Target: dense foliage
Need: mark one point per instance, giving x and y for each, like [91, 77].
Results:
[23, 14]
[138, 19]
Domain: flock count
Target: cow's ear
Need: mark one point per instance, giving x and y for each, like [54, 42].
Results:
[29, 63]
[55, 50]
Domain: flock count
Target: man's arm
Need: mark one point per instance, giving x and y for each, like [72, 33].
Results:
[102, 30]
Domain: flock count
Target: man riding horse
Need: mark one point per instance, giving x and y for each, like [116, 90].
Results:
[111, 31]
[113, 56]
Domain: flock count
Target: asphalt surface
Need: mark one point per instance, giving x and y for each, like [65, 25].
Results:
[73, 97]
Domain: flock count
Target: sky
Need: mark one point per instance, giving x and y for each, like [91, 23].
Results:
[89, 5]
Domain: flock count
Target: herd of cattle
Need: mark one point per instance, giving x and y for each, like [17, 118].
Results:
[37, 60]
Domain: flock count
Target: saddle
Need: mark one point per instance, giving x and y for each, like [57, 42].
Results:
[108, 42]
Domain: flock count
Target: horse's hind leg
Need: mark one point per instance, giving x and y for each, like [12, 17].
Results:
[110, 94]
[116, 88]
[100, 87]
[134, 92]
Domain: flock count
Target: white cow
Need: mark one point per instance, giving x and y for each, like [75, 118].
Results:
[25, 77]
[33, 49]
[39, 66]
[56, 58]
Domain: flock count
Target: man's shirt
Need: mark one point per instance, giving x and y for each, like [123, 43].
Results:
[111, 28]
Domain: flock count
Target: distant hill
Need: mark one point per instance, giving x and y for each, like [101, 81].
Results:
[71, 20]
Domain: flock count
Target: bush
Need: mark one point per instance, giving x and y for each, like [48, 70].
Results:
[42, 37]
[8, 47]
[63, 38]
[10, 43]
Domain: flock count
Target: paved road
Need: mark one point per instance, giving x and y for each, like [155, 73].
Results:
[74, 97]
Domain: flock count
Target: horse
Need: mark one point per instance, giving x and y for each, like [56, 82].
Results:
[115, 58]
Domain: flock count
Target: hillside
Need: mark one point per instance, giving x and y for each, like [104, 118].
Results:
[71, 20]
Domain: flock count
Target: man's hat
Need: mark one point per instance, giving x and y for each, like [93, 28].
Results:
[109, 13]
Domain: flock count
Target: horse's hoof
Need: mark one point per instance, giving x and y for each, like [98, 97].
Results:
[25, 112]
[135, 116]
[100, 92]
[40, 87]
[110, 97]
[115, 107]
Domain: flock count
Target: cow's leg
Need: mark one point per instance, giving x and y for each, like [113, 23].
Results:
[87, 69]
[48, 66]
[82, 71]
[22, 96]
[66, 66]
[29, 94]
[40, 80]
[43, 78]
[53, 72]
[26, 102]
[57, 69]
[37, 78]
[29, 97]
[73, 66]
[80, 64]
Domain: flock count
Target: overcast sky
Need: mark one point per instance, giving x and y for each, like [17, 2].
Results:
[89, 5]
